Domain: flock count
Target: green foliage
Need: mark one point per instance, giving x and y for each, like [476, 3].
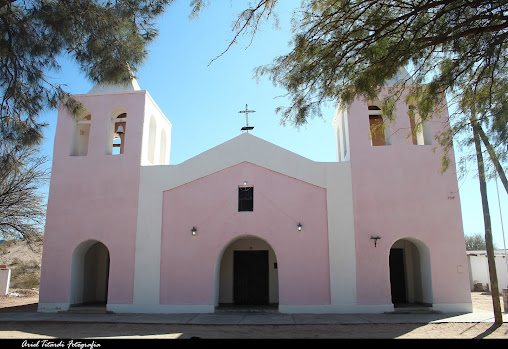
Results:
[475, 242]
[487, 104]
[347, 49]
[107, 39]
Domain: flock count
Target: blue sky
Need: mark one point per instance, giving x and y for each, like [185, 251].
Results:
[202, 100]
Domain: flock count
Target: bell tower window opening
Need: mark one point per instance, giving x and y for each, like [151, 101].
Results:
[420, 132]
[119, 134]
[377, 134]
[81, 136]
[245, 199]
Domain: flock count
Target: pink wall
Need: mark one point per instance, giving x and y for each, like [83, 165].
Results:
[398, 192]
[94, 197]
[211, 205]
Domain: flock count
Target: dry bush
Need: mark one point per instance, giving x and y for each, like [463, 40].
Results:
[25, 275]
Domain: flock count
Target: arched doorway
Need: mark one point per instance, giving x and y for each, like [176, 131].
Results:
[248, 275]
[410, 276]
[90, 274]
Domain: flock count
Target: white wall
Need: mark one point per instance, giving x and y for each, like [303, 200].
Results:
[156, 135]
[479, 269]
[5, 277]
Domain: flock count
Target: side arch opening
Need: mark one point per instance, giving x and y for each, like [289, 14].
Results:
[90, 274]
[410, 274]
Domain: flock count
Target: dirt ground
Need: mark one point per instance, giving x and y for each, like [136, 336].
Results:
[27, 301]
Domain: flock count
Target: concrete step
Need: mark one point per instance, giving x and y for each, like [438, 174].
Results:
[413, 309]
[88, 309]
[232, 308]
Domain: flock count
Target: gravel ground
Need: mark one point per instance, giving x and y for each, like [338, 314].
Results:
[36, 332]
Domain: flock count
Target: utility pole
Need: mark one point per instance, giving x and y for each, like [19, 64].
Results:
[498, 315]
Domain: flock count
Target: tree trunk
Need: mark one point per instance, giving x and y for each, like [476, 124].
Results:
[498, 315]
[493, 157]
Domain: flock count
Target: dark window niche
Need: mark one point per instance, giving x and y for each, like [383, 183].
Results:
[245, 199]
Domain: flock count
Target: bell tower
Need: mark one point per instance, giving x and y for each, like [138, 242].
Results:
[94, 188]
[403, 204]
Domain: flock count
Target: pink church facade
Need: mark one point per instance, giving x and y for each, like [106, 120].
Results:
[247, 222]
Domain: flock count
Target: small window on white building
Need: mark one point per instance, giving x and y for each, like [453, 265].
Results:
[81, 136]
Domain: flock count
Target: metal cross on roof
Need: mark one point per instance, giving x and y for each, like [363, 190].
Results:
[247, 111]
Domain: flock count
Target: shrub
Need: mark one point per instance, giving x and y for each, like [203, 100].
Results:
[25, 274]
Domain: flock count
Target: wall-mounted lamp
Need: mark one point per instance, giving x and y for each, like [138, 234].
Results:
[194, 231]
[299, 227]
[375, 238]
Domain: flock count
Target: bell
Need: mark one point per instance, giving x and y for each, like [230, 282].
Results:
[120, 130]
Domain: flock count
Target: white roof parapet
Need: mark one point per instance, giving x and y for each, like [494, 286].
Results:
[100, 88]
[497, 252]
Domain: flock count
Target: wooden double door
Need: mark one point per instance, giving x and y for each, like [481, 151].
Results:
[250, 278]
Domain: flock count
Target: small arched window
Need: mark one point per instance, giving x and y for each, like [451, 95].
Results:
[81, 136]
